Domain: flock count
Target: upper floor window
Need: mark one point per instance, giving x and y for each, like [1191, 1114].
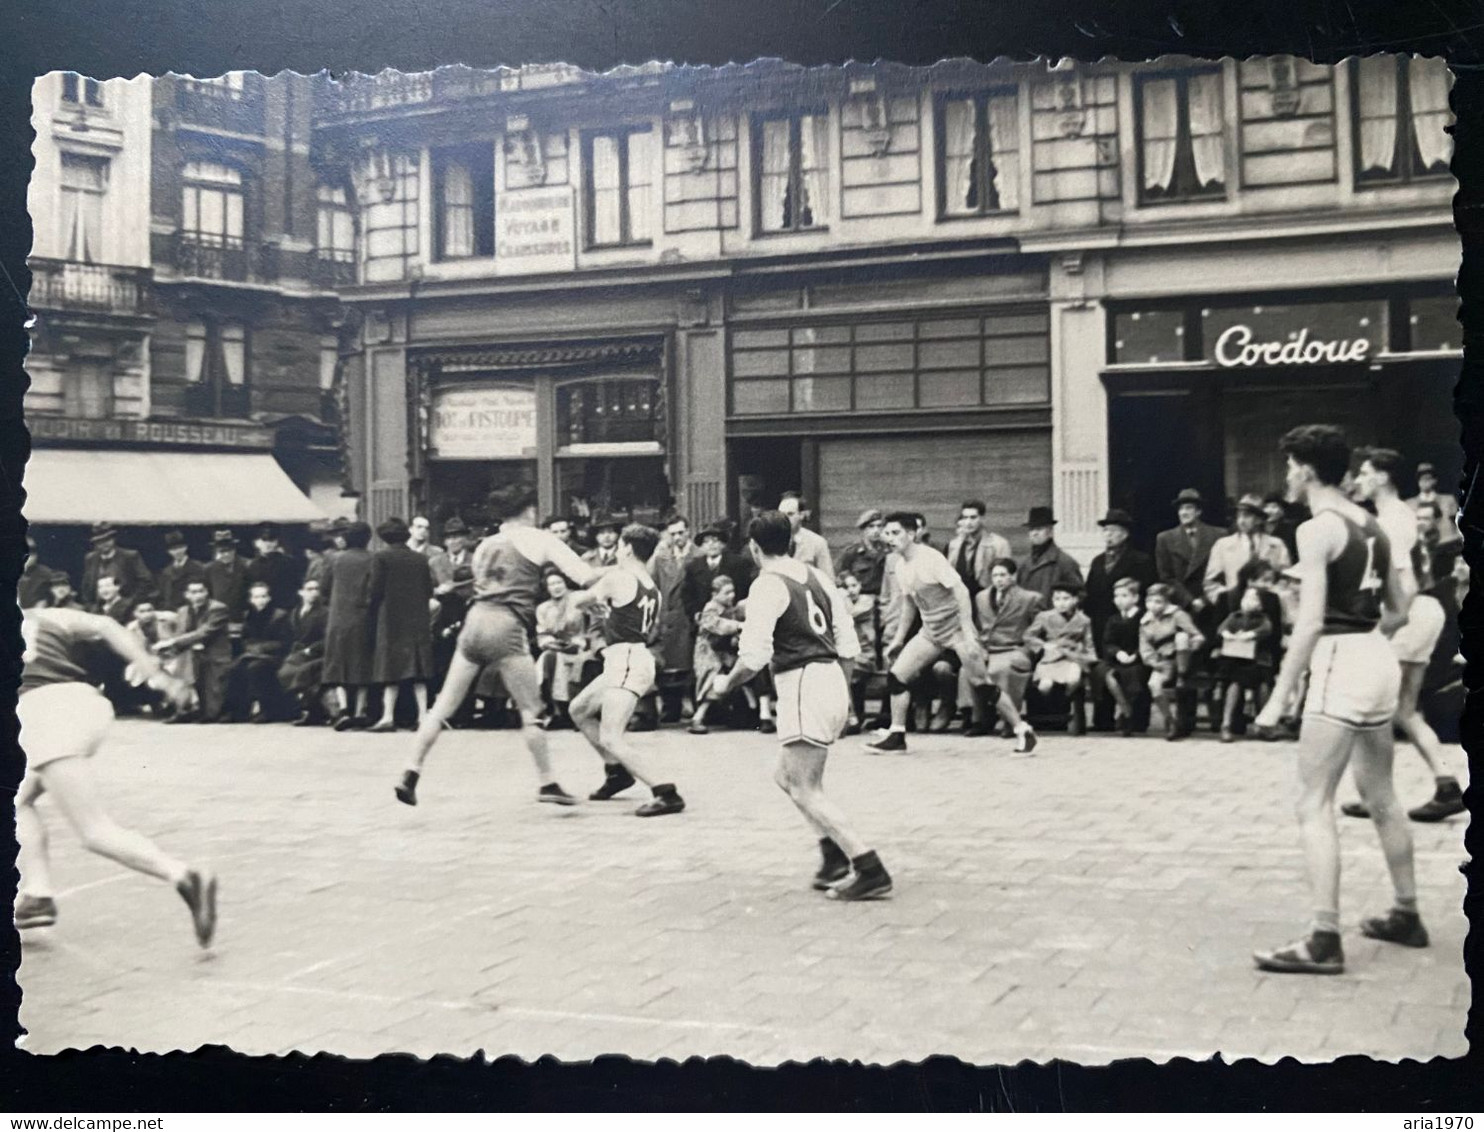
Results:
[464, 219]
[791, 171]
[617, 174]
[76, 88]
[388, 192]
[212, 204]
[978, 154]
[1182, 135]
[84, 180]
[336, 230]
[230, 86]
[1401, 118]
[216, 353]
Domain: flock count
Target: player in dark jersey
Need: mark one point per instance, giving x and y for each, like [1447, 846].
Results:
[1349, 597]
[798, 622]
[602, 710]
[64, 719]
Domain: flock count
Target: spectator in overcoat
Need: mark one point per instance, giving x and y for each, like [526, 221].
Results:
[1248, 543]
[253, 675]
[346, 592]
[1047, 565]
[1182, 553]
[713, 561]
[107, 557]
[226, 576]
[275, 568]
[179, 572]
[677, 636]
[605, 534]
[1118, 560]
[809, 547]
[401, 600]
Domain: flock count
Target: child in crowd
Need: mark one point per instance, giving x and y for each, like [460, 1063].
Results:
[1061, 637]
[1247, 657]
[1167, 640]
[863, 609]
[716, 645]
[1124, 674]
[561, 637]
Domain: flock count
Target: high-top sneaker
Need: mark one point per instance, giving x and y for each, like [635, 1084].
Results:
[834, 867]
[868, 880]
[1444, 804]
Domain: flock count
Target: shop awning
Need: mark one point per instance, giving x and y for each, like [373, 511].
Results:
[74, 485]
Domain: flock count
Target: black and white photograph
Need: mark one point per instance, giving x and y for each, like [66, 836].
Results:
[782, 561]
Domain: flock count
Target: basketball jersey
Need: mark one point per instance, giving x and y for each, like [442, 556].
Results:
[56, 646]
[1356, 586]
[505, 576]
[805, 631]
[634, 623]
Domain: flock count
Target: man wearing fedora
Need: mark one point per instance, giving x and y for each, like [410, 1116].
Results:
[107, 557]
[274, 568]
[1118, 560]
[1047, 565]
[1182, 553]
[457, 550]
[1248, 543]
[226, 576]
[605, 533]
[179, 572]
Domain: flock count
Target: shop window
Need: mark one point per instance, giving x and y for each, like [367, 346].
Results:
[615, 411]
[216, 368]
[617, 174]
[84, 180]
[1148, 337]
[1400, 107]
[791, 171]
[76, 88]
[1182, 135]
[212, 205]
[464, 192]
[1433, 324]
[978, 153]
[968, 362]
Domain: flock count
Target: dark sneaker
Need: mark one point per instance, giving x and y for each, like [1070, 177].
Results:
[1355, 810]
[1320, 954]
[834, 867]
[1447, 802]
[1396, 926]
[407, 789]
[768, 727]
[554, 794]
[871, 883]
[198, 890]
[619, 779]
[979, 730]
[667, 803]
[698, 729]
[1027, 743]
[891, 741]
[35, 912]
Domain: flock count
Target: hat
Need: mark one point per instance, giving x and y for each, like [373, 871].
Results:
[1189, 495]
[224, 537]
[1041, 517]
[1117, 517]
[1426, 469]
[103, 531]
[1251, 502]
[340, 523]
[174, 538]
[607, 523]
[454, 526]
[394, 531]
[712, 531]
[868, 516]
[269, 531]
[58, 576]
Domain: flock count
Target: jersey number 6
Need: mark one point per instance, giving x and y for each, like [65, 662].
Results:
[817, 620]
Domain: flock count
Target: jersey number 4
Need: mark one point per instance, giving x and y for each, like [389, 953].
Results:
[817, 619]
[648, 607]
[1371, 580]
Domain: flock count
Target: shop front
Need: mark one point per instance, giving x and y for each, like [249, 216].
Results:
[1200, 389]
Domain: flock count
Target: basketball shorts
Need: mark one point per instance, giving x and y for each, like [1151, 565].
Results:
[813, 703]
[1354, 679]
[1414, 642]
[493, 633]
[630, 667]
[62, 721]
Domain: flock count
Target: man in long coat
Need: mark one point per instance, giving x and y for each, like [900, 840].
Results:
[401, 601]
[1047, 565]
[346, 591]
[1182, 553]
[277, 569]
[107, 557]
[179, 572]
[677, 631]
[226, 576]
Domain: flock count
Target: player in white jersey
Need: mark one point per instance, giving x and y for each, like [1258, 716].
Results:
[507, 580]
[933, 587]
[1414, 641]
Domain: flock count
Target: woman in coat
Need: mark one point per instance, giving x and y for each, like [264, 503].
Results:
[346, 591]
[402, 605]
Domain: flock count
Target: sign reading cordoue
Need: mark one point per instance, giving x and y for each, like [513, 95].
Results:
[1236, 347]
[483, 423]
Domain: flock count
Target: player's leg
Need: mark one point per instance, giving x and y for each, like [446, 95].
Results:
[800, 775]
[34, 907]
[523, 685]
[987, 697]
[462, 672]
[585, 710]
[620, 698]
[1374, 750]
[916, 655]
[1447, 799]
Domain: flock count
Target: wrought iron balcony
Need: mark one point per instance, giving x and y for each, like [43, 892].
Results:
[106, 288]
[230, 259]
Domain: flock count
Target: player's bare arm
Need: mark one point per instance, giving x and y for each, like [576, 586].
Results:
[1320, 540]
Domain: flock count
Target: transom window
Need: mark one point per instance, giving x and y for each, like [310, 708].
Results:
[617, 174]
[791, 171]
[212, 204]
[1182, 135]
[1400, 107]
[979, 159]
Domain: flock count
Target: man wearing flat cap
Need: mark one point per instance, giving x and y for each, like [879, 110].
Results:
[107, 557]
[1047, 565]
[1248, 543]
[1182, 553]
[867, 558]
[275, 569]
[226, 576]
[1118, 560]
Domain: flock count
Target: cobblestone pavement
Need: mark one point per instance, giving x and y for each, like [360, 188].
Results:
[1098, 901]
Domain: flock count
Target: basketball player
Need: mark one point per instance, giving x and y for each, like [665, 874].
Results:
[506, 586]
[934, 588]
[800, 623]
[603, 709]
[64, 719]
[1349, 591]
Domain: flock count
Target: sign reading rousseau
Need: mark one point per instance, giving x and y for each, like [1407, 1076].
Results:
[483, 424]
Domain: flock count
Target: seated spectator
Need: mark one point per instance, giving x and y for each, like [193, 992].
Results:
[1061, 637]
[201, 629]
[252, 678]
[863, 609]
[301, 673]
[1005, 612]
[561, 643]
[61, 595]
[1124, 674]
[111, 601]
[1247, 657]
[1167, 638]
[716, 645]
[150, 626]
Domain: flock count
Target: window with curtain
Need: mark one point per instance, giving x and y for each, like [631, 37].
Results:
[617, 175]
[464, 217]
[1182, 135]
[978, 158]
[1400, 108]
[336, 233]
[212, 204]
[217, 367]
[791, 171]
[84, 180]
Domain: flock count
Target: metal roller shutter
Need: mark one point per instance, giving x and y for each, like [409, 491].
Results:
[934, 474]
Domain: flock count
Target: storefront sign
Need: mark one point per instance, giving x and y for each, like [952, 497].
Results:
[483, 423]
[535, 231]
[178, 434]
[1239, 346]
